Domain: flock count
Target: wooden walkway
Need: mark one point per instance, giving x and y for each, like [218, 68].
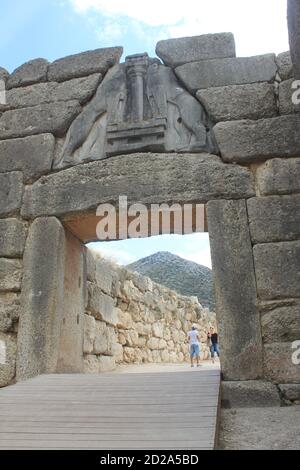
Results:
[175, 408]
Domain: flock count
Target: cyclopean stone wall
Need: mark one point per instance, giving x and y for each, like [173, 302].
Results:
[250, 185]
[130, 319]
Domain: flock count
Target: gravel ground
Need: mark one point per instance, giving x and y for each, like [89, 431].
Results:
[260, 428]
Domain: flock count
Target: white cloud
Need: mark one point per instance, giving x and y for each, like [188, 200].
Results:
[118, 256]
[259, 26]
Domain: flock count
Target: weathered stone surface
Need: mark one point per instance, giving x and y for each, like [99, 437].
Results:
[278, 364]
[274, 218]
[11, 271]
[7, 370]
[31, 72]
[237, 102]
[124, 320]
[281, 324]
[3, 74]
[41, 299]
[31, 155]
[290, 391]
[279, 176]
[286, 92]
[89, 185]
[89, 334]
[13, 234]
[104, 339]
[246, 141]
[9, 311]
[70, 359]
[293, 24]
[86, 63]
[222, 72]
[285, 66]
[81, 89]
[175, 52]
[106, 364]
[91, 364]
[104, 276]
[277, 270]
[11, 192]
[248, 394]
[54, 118]
[101, 306]
[237, 315]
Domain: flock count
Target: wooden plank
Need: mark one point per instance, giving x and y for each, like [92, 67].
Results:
[166, 410]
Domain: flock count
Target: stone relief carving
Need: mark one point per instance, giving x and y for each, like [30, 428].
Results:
[139, 107]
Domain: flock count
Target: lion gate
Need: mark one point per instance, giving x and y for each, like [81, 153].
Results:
[198, 126]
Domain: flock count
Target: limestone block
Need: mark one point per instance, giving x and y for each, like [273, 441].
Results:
[162, 344]
[132, 338]
[228, 71]
[141, 342]
[173, 357]
[124, 320]
[91, 364]
[11, 192]
[104, 339]
[158, 330]
[249, 394]
[8, 350]
[54, 118]
[281, 324]
[31, 155]
[236, 102]
[236, 142]
[142, 329]
[290, 391]
[279, 176]
[4, 74]
[101, 182]
[122, 338]
[175, 52]
[101, 306]
[86, 63]
[278, 364]
[274, 218]
[175, 335]
[293, 26]
[143, 283]
[156, 356]
[285, 66]
[104, 276]
[117, 351]
[89, 334]
[106, 364]
[9, 311]
[31, 72]
[165, 356]
[41, 299]
[11, 271]
[153, 343]
[81, 89]
[13, 234]
[277, 270]
[286, 104]
[236, 308]
[129, 355]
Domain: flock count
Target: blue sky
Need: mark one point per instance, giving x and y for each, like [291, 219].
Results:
[55, 28]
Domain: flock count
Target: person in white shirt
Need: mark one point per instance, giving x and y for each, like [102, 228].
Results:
[194, 340]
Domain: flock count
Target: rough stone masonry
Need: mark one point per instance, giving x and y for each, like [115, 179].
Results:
[67, 146]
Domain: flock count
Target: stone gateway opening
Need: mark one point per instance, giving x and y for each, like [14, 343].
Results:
[204, 128]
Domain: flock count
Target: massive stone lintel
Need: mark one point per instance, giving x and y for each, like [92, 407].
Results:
[139, 106]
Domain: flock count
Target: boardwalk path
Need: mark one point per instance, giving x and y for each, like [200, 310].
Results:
[159, 407]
